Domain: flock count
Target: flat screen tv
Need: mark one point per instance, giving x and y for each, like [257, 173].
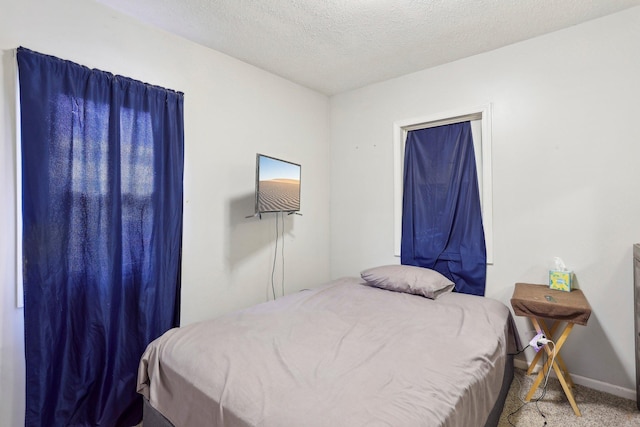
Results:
[277, 185]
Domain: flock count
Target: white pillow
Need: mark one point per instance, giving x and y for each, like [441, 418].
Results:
[408, 279]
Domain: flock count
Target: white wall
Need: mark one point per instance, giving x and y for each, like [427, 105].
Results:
[232, 111]
[566, 172]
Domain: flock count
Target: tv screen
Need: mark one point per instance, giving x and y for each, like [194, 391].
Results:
[277, 185]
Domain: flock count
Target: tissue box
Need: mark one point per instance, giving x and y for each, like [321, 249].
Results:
[560, 280]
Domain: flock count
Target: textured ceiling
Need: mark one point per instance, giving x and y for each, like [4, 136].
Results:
[337, 45]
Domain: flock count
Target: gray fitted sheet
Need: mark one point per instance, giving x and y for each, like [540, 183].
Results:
[343, 354]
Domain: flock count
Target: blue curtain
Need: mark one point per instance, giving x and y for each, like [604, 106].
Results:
[102, 165]
[441, 216]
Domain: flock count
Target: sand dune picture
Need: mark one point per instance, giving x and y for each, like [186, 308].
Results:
[279, 195]
[278, 185]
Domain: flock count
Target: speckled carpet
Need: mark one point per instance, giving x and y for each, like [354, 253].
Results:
[598, 409]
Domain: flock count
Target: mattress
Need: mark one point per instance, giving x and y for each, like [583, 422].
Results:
[342, 354]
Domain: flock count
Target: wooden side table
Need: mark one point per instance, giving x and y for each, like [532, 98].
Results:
[538, 302]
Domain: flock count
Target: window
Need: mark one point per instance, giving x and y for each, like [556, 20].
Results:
[480, 118]
[102, 160]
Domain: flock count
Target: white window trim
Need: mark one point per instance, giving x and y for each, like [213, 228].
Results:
[18, 178]
[483, 154]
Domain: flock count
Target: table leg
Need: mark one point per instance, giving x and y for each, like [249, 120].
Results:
[559, 358]
[558, 366]
[541, 325]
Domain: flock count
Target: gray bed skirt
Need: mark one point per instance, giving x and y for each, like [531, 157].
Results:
[494, 416]
[153, 418]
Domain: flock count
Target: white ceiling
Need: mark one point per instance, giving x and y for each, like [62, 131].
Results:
[336, 45]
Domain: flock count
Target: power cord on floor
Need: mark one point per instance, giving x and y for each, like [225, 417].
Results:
[543, 341]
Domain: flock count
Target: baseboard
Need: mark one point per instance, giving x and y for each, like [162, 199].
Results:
[625, 393]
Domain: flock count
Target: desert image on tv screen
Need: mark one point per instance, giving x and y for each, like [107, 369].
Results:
[279, 186]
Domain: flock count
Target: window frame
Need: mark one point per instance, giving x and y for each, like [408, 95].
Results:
[18, 187]
[482, 148]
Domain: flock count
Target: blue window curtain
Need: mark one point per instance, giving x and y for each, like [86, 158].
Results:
[102, 165]
[441, 214]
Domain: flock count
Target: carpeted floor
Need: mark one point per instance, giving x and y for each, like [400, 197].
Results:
[598, 409]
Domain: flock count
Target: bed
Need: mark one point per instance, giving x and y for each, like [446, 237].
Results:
[347, 353]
